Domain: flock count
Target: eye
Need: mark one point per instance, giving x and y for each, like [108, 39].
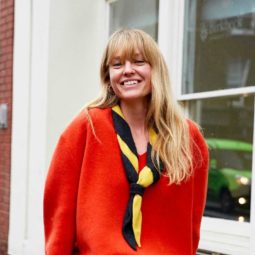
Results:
[116, 65]
[139, 61]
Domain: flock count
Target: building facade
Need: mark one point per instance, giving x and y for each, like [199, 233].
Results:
[6, 63]
[208, 48]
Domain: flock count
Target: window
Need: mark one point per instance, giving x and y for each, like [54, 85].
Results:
[228, 128]
[220, 45]
[133, 14]
[219, 56]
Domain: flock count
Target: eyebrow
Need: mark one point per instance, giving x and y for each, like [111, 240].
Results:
[115, 59]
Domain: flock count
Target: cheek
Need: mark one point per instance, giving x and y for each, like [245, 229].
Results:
[114, 76]
[110, 75]
[147, 73]
[113, 81]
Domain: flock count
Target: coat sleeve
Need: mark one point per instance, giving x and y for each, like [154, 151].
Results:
[61, 188]
[200, 180]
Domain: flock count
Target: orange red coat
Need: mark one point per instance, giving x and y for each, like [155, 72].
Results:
[86, 195]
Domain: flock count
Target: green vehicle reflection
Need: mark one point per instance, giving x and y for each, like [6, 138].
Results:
[229, 183]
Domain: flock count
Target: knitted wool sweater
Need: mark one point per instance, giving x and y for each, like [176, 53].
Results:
[86, 196]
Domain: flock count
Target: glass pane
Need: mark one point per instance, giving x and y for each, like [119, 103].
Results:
[133, 14]
[219, 45]
[227, 124]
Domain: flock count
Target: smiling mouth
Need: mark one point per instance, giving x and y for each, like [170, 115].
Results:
[131, 82]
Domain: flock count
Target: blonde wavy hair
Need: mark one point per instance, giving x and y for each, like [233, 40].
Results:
[164, 114]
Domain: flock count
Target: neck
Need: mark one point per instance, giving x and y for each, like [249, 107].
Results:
[135, 113]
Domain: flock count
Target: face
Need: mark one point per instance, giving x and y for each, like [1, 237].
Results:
[130, 78]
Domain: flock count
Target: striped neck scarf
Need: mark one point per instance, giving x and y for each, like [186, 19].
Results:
[132, 223]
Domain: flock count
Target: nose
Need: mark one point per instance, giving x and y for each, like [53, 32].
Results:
[128, 68]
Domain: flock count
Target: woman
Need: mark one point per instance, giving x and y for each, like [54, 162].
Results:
[129, 174]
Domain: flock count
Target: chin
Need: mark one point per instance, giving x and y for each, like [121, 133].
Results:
[134, 97]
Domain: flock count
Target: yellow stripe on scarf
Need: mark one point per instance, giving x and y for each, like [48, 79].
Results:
[117, 109]
[145, 179]
[152, 136]
[128, 153]
[137, 218]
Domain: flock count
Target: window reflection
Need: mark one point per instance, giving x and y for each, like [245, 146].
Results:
[132, 14]
[220, 37]
[227, 126]
[229, 175]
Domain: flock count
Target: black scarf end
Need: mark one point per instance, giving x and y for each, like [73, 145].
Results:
[131, 241]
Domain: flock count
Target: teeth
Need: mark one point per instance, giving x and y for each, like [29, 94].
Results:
[130, 82]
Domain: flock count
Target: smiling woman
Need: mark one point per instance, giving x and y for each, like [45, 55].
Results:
[130, 79]
[129, 174]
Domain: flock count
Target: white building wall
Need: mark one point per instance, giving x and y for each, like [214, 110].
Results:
[57, 50]
[76, 41]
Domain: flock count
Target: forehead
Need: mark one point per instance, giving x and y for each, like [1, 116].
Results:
[124, 49]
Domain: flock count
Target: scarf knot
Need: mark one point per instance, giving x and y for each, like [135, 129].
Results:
[136, 189]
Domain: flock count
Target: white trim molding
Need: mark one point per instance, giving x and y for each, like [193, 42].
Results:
[252, 209]
[20, 126]
[225, 236]
[29, 126]
[218, 93]
[170, 39]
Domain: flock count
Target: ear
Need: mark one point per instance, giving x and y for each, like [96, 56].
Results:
[109, 89]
